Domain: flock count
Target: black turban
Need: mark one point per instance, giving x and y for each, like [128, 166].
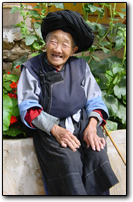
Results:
[71, 22]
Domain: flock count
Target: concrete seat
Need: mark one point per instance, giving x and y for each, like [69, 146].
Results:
[22, 175]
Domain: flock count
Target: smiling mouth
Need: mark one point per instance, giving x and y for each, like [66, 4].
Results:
[56, 56]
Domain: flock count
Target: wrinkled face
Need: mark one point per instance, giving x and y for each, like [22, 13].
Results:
[60, 47]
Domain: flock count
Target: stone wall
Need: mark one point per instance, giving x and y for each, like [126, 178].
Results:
[13, 47]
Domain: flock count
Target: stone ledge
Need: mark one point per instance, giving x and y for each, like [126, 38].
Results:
[22, 175]
[21, 171]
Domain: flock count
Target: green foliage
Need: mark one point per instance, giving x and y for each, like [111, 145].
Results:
[110, 72]
[57, 5]
[11, 117]
[33, 37]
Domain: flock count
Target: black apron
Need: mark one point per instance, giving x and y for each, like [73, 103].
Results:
[84, 172]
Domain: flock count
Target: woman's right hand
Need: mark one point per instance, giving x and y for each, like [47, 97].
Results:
[65, 137]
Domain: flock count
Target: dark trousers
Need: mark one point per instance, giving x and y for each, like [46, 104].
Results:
[84, 172]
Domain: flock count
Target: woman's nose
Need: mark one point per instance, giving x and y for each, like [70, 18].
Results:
[58, 48]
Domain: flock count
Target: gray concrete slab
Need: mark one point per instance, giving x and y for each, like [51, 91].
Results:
[118, 166]
[22, 175]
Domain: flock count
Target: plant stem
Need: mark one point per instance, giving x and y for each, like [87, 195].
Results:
[111, 84]
[99, 15]
[98, 45]
[111, 26]
[112, 13]
[124, 54]
[84, 13]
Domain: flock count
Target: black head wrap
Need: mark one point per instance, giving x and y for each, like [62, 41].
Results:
[71, 22]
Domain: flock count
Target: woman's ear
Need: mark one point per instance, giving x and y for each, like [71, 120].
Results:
[74, 50]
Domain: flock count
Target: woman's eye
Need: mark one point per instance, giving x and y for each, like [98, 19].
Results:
[65, 45]
[53, 42]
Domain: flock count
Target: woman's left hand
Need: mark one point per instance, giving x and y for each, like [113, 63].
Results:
[91, 138]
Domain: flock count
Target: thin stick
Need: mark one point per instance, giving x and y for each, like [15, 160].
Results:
[114, 144]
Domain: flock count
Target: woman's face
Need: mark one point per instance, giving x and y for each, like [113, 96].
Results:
[60, 47]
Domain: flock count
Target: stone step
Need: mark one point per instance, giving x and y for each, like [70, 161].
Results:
[21, 171]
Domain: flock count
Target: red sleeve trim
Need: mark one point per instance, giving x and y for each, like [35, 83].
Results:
[31, 114]
[99, 111]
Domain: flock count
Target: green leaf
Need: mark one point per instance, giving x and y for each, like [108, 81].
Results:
[124, 100]
[15, 9]
[114, 19]
[105, 50]
[7, 103]
[35, 54]
[122, 15]
[30, 40]
[34, 13]
[58, 5]
[14, 132]
[105, 4]
[39, 33]
[105, 64]
[24, 30]
[4, 91]
[104, 43]
[93, 25]
[121, 113]
[120, 33]
[6, 85]
[111, 125]
[122, 81]
[37, 6]
[119, 91]
[119, 42]
[103, 80]
[6, 119]
[119, 24]
[19, 61]
[86, 58]
[123, 9]
[37, 25]
[10, 77]
[92, 48]
[101, 29]
[10, 107]
[112, 104]
[90, 8]
[15, 111]
[36, 46]
[7, 110]
[22, 13]
[101, 12]
[116, 67]
[96, 58]
[14, 102]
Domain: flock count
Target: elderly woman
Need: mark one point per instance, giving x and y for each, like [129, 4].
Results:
[61, 102]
